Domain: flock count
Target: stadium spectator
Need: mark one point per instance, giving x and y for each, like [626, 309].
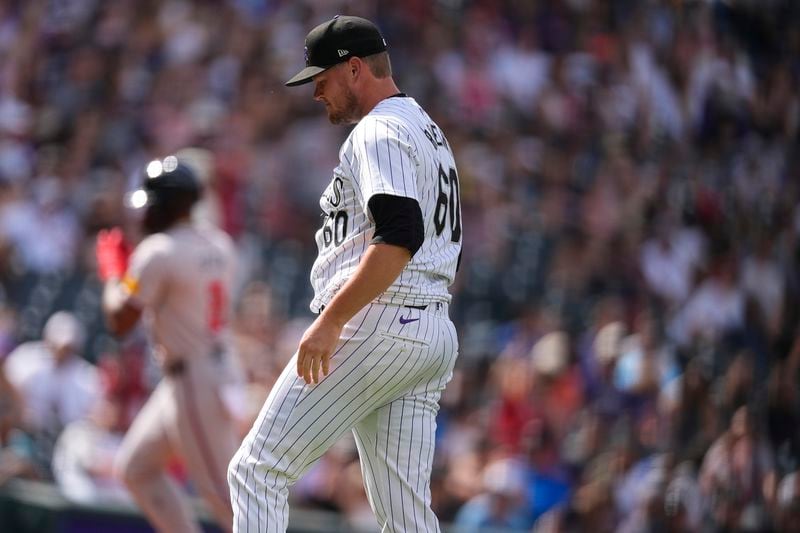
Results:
[15, 453]
[83, 457]
[736, 476]
[56, 384]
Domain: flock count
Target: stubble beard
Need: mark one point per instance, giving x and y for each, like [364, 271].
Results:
[349, 113]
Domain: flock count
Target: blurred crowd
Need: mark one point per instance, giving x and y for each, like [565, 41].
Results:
[630, 349]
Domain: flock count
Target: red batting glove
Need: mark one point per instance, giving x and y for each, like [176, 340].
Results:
[112, 252]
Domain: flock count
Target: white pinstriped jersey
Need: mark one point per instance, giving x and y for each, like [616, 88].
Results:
[396, 149]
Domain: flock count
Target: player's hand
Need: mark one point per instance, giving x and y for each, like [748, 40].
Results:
[316, 347]
[112, 252]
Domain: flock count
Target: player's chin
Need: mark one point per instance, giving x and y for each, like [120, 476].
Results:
[340, 116]
[340, 119]
[335, 118]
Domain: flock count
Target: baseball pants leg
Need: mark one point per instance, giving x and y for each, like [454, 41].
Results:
[378, 361]
[185, 417]
[204, 436]
[141, 464]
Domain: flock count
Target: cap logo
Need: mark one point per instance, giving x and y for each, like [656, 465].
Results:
[336, 41]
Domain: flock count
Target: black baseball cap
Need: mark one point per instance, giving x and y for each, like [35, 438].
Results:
[336, 41]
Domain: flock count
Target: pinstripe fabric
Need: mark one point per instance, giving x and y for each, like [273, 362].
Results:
[396, 149]
[385, 381]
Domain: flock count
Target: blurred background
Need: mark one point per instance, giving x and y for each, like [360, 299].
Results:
[630, 182]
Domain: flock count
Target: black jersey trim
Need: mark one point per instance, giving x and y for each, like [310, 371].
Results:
[398, 221]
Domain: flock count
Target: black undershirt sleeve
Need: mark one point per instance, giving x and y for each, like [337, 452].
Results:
[398, 221]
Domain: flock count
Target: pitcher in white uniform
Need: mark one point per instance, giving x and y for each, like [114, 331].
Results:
[383, 347]
[179, 279]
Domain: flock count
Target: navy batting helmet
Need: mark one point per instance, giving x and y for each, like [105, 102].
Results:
[169, 190]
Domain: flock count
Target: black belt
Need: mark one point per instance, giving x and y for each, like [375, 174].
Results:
[175, 368]
[418, 307]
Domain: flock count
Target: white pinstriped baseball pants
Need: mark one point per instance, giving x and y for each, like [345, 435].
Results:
[386, 377]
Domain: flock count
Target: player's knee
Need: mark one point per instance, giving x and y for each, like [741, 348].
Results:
[125, 470]
[233, 470]
[245, 469]
[131, 469]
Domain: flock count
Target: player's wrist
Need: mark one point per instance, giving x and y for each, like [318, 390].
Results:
[334, 321]
[113, 281]
[332, 317]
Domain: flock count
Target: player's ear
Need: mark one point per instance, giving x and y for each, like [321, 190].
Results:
[355, 65]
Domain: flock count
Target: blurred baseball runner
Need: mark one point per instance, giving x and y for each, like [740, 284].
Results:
[383, 347]
[180, 277]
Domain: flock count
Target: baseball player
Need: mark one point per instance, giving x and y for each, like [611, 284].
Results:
[379, 354]
[179, 278]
